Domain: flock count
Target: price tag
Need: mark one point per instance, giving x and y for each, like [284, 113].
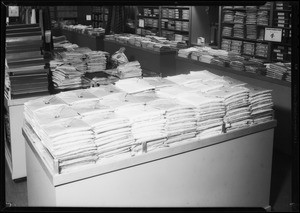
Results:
[273, 34]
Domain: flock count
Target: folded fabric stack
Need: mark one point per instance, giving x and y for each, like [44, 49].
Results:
[239, 17]
[231, 82]
[171, 92]
[148, 126]
[71, 142]
[263, 18]
[141, 98]
[228, 16]
[261, 50]
[218, 62]
[222, 61]
[77, 96]
[237, 65]
[206, 58]
[276, 70]
[251, 32]
[96, 61]
[180, 119]
[226, 44]
[129, 70]
[261, 104]
[236, 46]
[134, 85]
[185, 53]
[113, 137]
[238, 30]
[209, 113]
[255, 67]
[248, 48]
[66, 76]
[104, 90]
[227, 31]
[73, 57]
[195, 55]
[237, 105]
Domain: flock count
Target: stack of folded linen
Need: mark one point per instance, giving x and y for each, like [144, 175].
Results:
[171, 92]
[113, 137]
[237, 105]
[148, 126]
[134, 85]
[237, 65]
[73, 57]
[180, 118]
[231, 82]
[71, 142]
[276, 70]
[142, 97]
[261, 104]
[206, 58]
[129, 70]
[66, 76]
[185, 53]
[209, 113]
[104, 90]
[96, 61]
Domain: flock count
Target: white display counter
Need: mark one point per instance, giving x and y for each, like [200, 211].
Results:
[229, 170]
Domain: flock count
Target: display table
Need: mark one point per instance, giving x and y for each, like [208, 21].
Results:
[15, 149]
[84, 40]
[228, 170]
[281, 94]
[161, 63]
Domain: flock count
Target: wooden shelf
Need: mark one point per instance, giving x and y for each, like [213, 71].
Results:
[245, 39]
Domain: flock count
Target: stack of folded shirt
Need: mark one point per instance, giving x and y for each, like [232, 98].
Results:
[227, 31]
[104, 90]
[186, 52]
[239, 17]
[113, 137]
[129, 70]
[96, 61]
[148, 126]
[248, 48]
[73, 57]
[228, 16]
[263, 18]
[261, 104]
[251, 32]
[276, 70]
[261, 50]
[238, 31]
[206, 58]
[237, 105]
[91, 107]
[134, 85]
[237, 65]
[236, 46]
[77, 96]
[71, 142]
[255, 67]
[217, 62]
[209, 113]
[226, 44]
[225, 61]
[141, 98]
[66, 76]
[180, 119]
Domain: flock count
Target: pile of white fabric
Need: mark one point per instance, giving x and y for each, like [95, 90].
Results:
[129, 70]
[261, 104]
[236, 100]
[76, 96]
[158, 82]
[185, 53]
[66, 76]
[147, 126]
[209, 113]
[113, 137]
[181, 121]
[96, 61]
[71, 142]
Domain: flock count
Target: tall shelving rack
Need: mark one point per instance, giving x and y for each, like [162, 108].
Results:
[279, 16]
[99, 16]
[172, 22]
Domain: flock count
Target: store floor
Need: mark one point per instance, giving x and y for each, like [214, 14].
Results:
[16, 192]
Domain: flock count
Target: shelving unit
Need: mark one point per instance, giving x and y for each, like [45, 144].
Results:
[279, 16]
[99, 16]
[172, 22]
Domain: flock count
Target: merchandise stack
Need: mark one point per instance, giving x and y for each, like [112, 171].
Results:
[276, 70]
[236, 46]
[263, 18]
[226, 44]
[237, 106]
[26, 66]
[180, 120]
[261, 50]
[96, 61]
[251, 12]
[261, 104]
[129, 70]
[255, 66]
[228, 15]
[248, 48]
[147, 126]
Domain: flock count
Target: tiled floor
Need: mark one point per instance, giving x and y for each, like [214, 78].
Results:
[280, 199]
